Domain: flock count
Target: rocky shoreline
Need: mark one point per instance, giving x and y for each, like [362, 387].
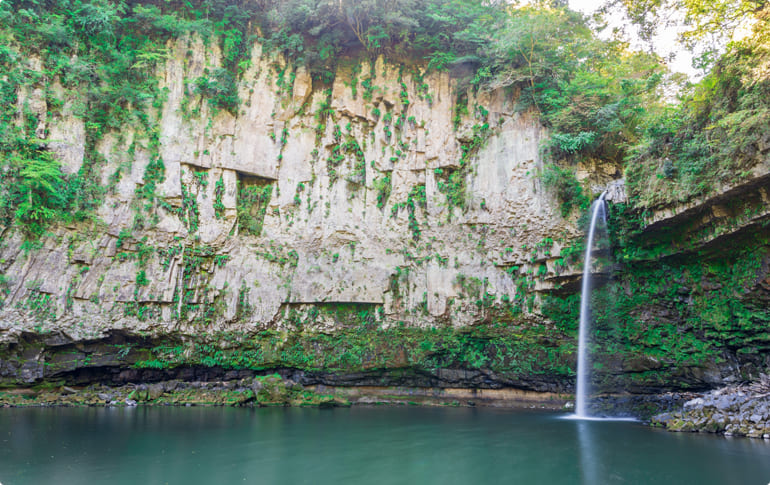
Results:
[731, 411]
[270, 390]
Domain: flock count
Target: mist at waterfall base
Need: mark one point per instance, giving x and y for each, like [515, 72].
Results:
[364, 444]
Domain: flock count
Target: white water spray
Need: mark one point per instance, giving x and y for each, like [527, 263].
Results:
[583, 383]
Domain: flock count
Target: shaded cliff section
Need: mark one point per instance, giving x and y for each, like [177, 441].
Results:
[330, 360]
[687, 305]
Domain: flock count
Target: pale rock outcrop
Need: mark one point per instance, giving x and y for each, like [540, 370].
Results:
[159, 263]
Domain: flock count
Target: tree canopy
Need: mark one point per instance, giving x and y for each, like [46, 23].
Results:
[717, 131]
[709, 25]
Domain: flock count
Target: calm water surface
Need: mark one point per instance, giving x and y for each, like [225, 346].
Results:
[366, 445]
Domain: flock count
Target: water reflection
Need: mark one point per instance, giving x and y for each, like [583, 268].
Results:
[588, 463]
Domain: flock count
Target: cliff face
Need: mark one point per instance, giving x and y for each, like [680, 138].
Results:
[379, 227]
[389, 196]
[352, 187]
[687, 306]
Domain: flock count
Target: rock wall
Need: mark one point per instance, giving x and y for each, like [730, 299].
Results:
[687, 305]
[380, 227]
[356, 172]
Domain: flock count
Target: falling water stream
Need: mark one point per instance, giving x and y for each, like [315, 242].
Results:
[598, 214]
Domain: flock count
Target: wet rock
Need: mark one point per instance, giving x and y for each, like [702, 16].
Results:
[154, 391]
[663, 419]
[641, 363]
[31, 371]
[171, 386]
[270, 390]
[693, 404]
[733, 411]
[256, 385]
[240, 398]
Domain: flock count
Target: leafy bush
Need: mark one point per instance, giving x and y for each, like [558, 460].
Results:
[252, 206]
[383, 187]
[38, 195]
[316, 32]
[220, 88]
[567, 188]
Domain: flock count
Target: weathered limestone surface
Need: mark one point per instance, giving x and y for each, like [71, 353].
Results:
[324, 238]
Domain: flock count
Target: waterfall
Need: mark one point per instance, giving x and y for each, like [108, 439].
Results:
[583, 383]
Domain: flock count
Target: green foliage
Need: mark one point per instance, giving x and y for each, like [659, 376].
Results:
[369, 92]
[243, 307]
[676, 314]
[340, 152]
[361, 345]
[451, 182]
[104, 54]
[219, 192]
[41, 306]
[34, 192]
[589, 92]
[569, 144]
[315, 32]
[220, 88]
[141, 279]
[336, 157]
[252, 203]
[189, 212]
[563, 312]
[711, 318]
[154, 174]
[78, 45]
[416, 198]
[714, 137]
[567, 188]
[709, 24]
[382, 186]
[352, 149]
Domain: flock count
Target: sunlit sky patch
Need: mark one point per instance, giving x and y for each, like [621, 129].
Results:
[664, 44]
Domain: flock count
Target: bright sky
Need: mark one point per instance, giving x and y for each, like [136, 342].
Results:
[664, 44]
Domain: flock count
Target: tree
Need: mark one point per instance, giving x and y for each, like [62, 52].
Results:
[35, 192]
[710, 24]
[592, 94]
[536, 45]
[716, 136]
